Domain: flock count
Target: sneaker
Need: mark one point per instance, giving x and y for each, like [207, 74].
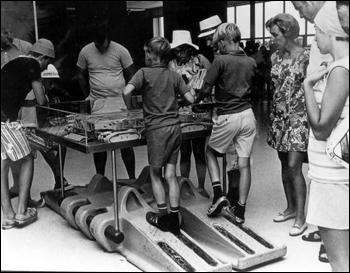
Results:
[231, 211]
[239, 213]
[217, 206]
[165, 223]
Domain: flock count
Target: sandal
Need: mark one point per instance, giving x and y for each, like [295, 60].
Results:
[312, 237]
[8, 224]
[322, 255]
[25, 219]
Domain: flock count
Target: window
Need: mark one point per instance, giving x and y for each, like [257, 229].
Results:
[259, 21]
[272, 8]
[243, 21]
[231, 14]
[263, 12]
[158, 27]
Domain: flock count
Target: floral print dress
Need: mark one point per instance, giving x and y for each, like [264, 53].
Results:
[288, 127]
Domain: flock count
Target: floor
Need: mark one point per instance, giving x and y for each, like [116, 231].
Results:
[50, 244]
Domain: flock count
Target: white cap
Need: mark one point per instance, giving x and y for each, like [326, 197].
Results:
[50, 72]
[181, 37]
[208, 26]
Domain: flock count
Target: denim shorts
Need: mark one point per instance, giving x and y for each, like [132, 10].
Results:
[163, 145]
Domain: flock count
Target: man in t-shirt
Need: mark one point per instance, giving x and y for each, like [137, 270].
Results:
[18, 78]
[12, 47]
[102, 65]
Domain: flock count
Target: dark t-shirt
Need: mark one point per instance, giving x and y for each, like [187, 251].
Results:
[159, 87]
[16, 82]
[232, 74]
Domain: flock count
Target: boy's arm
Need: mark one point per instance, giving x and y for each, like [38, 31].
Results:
[189, 97]
[205, 91]
[39, 92]
[127, 94]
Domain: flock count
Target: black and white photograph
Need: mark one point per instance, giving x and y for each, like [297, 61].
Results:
[175, 136]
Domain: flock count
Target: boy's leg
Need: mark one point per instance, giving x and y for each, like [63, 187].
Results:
[162, 220]
[219, 200]
[245, 179]
[244, 187]
[157, 184]
[174, 198]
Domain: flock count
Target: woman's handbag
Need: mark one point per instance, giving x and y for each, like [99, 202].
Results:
[337, 147]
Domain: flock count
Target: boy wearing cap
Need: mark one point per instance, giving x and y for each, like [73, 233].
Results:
[232, 73]
[160, 88]
[18, 77]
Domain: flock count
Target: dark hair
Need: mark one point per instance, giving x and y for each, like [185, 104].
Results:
[343, 15]
[101, 32]
[287, 24]
[37, 55]
[160, 47]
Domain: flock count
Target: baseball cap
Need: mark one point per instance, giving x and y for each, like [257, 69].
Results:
[50, 72]
[44, 47]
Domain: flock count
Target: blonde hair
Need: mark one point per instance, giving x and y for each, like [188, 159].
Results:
[228, 31]
[159, 47]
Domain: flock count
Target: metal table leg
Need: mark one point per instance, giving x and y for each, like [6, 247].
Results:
[113, 233]
[61, 169]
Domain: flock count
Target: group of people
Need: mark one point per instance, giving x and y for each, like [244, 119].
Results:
[310, 97]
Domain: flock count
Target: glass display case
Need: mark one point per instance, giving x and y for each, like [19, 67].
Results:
[72, 124]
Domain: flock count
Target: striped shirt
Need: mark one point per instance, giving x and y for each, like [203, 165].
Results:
[321, 168]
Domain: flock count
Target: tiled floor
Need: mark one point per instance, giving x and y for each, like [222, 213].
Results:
[50, 244]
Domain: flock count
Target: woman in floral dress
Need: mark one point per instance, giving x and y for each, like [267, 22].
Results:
[288, 129]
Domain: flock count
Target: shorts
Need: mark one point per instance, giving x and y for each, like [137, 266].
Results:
[328, 205]
[239, 128]
[14, 144]
[163, 145]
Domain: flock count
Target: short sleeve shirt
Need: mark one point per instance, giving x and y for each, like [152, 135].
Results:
[105, 70]
[16, 82]
[232, 74]
[159, 87]
[19, 47]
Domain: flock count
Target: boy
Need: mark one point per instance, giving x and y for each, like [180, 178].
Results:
[232, 73]
[160, 87]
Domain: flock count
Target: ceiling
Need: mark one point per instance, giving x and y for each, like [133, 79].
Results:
[143, 5]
